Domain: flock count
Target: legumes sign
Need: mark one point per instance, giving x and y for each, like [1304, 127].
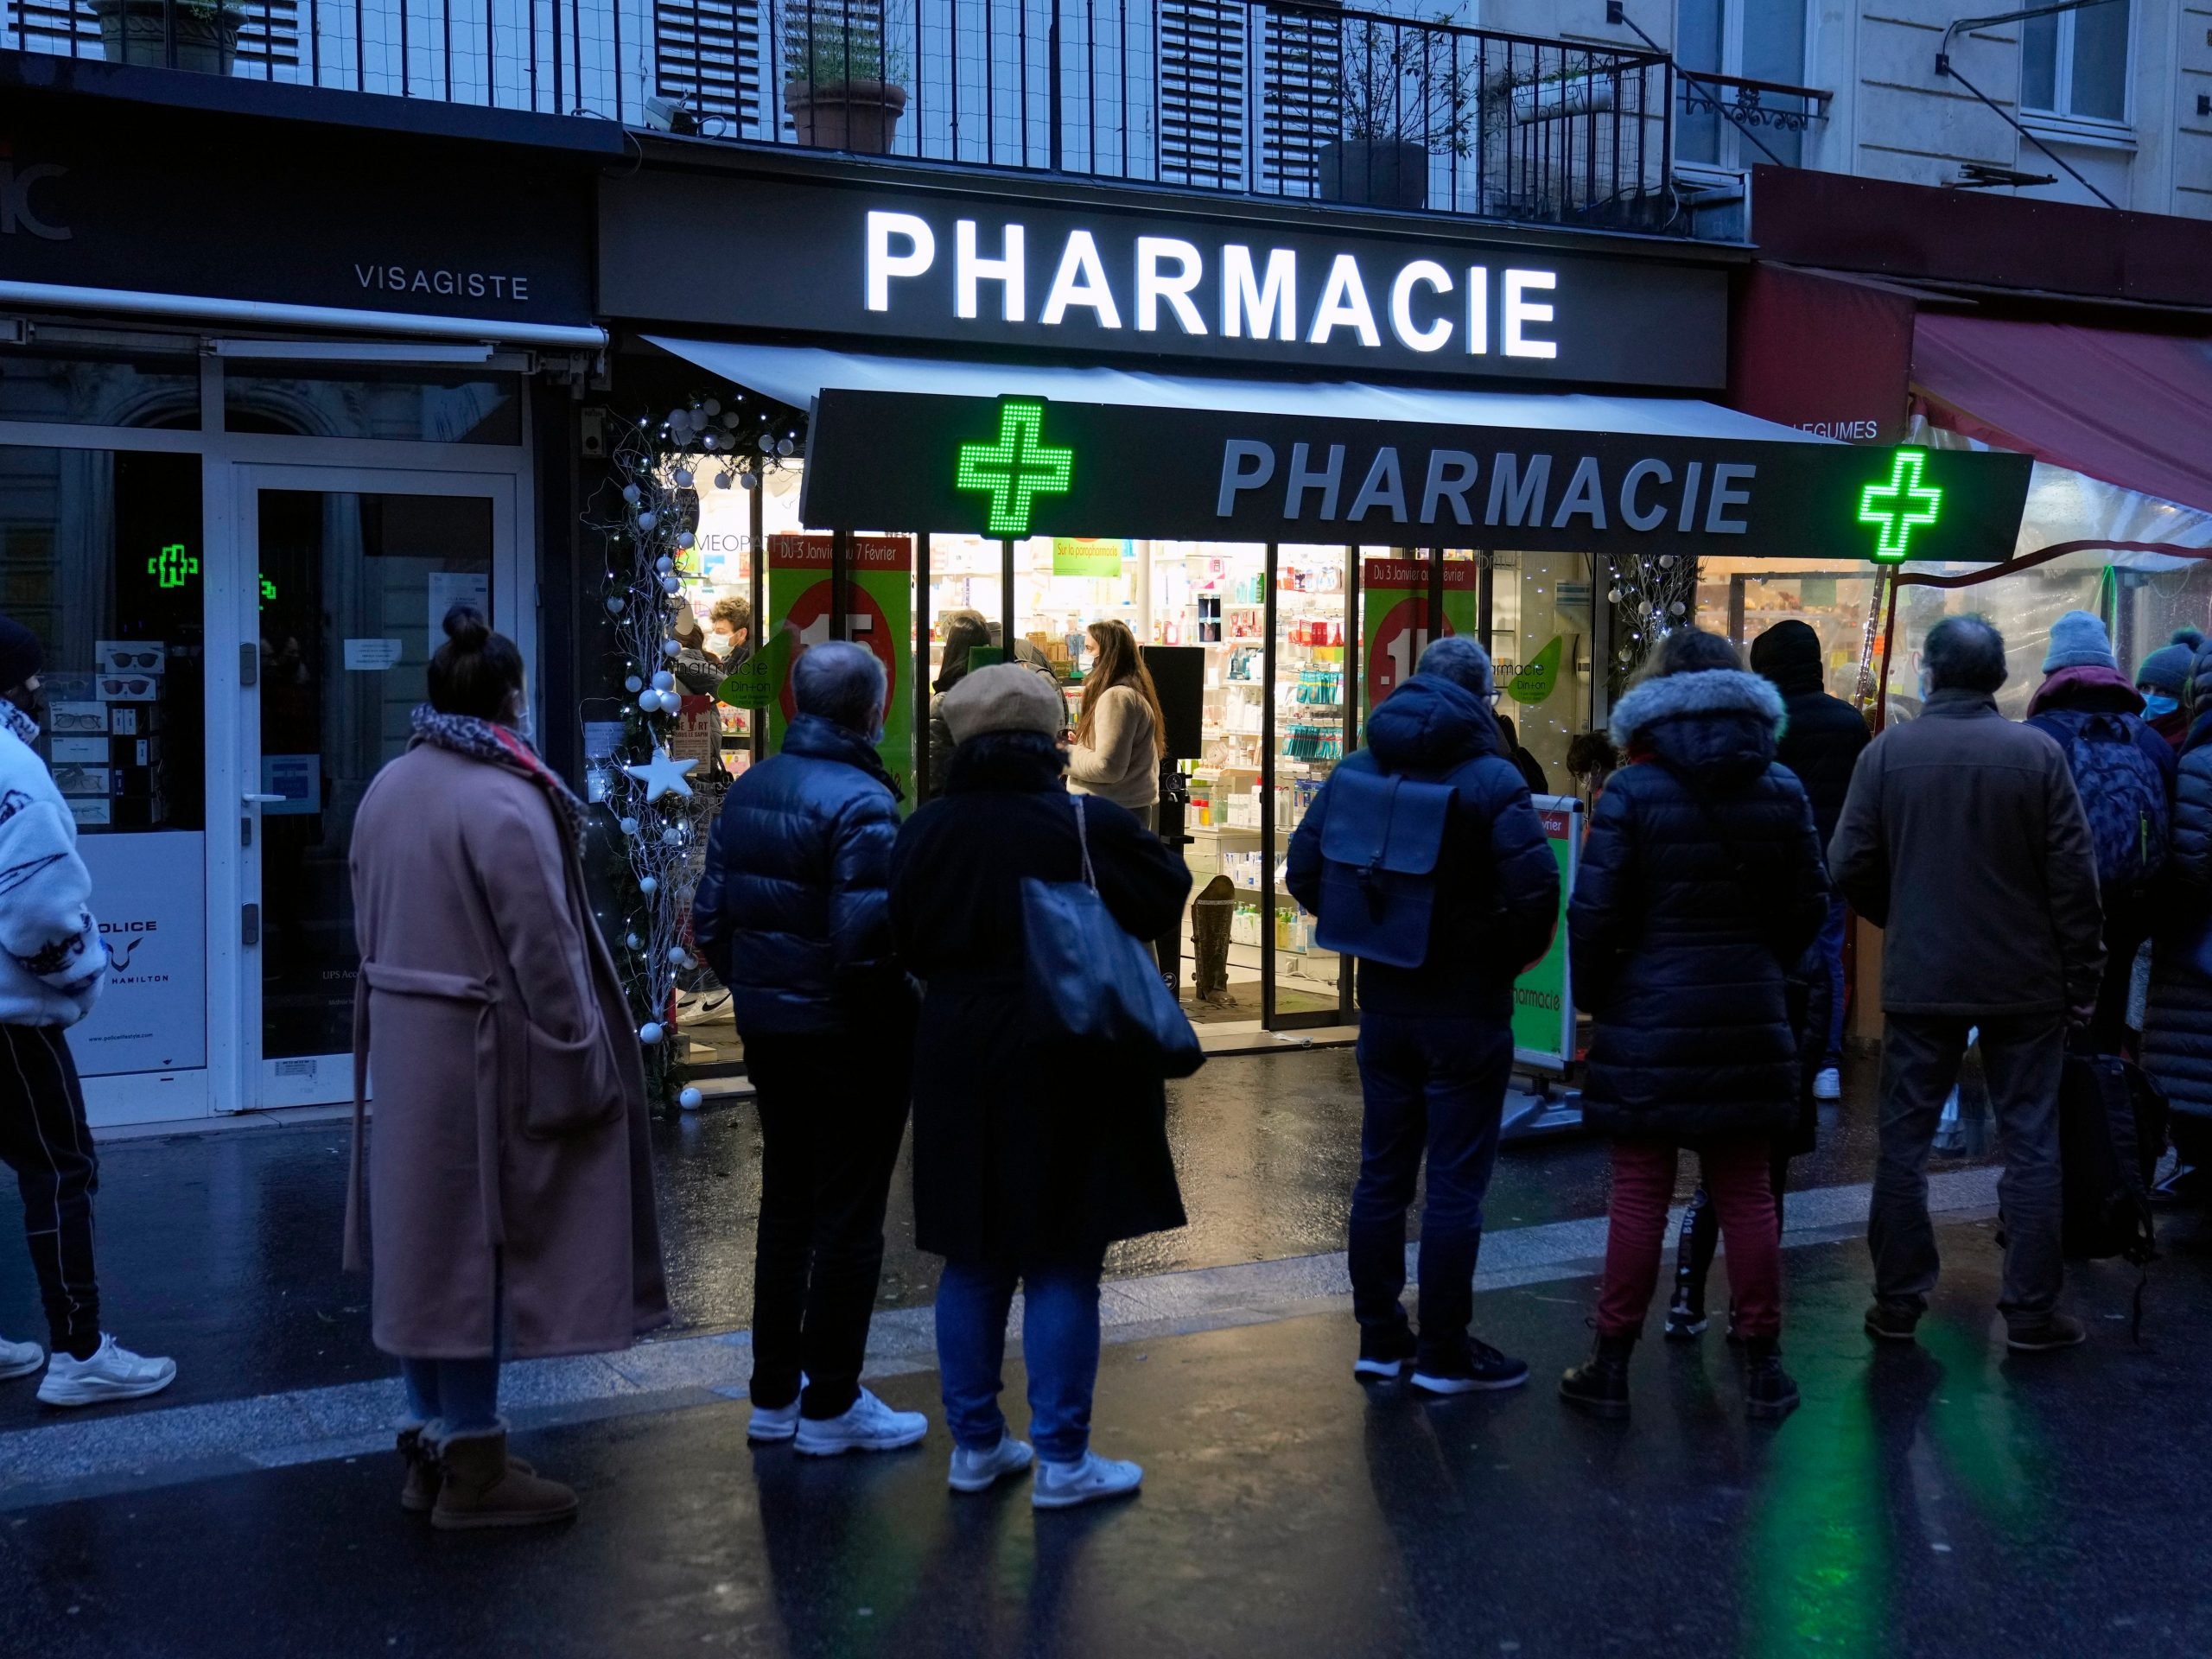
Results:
[1151, 276]
[1019, 467]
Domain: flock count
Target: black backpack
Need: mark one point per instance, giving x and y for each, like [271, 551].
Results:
[2112, 1129]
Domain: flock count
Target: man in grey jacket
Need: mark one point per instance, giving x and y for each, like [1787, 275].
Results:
[1963, 838]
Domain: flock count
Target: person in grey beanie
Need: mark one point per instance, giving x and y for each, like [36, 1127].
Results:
[2163, 679]
[2124, 773]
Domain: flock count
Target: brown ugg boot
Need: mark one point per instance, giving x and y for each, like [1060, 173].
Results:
[419, 1493]
[484, 1487]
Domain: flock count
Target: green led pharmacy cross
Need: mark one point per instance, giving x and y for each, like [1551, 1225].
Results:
[1900, 506]
[1017, 468]
[173, 567]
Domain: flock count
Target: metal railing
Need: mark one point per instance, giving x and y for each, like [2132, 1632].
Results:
[1732, 121]
[1271, 97]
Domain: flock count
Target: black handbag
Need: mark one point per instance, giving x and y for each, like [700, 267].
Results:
[1091, 983]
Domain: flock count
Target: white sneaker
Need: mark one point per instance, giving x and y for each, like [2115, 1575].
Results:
[870, 1425]
[1827, 1083]
[19, 1358]
[768, 1427]
[1063, 1485]
[978, 1472]
[112, 1373]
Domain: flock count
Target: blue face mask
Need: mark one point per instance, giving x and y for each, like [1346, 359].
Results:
[2156, 705]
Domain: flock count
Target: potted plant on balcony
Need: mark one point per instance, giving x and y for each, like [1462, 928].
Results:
[1401, 96]
[843, 78]
[203, 32]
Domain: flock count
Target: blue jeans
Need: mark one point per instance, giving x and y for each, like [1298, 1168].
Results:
[1434, 1085]
[1824, 1022]
[1059, 1345]
[461, 1395]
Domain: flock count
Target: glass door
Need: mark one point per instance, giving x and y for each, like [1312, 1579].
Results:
[347, 579]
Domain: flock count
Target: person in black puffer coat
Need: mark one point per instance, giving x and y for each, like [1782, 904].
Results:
[1436, 1040]
[2178, 1029]
[793, 915]
[1700, 880]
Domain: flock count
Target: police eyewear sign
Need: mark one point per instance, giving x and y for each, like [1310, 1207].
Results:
[1023, 466]
[1000, 271]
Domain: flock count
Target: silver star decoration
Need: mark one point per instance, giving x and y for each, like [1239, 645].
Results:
[663, 775]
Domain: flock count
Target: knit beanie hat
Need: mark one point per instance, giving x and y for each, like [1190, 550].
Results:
[1004, 697]
[2078, 639]
[2166, 669]
[20, 654]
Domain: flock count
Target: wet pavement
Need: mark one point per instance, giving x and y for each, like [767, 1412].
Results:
[1941, 1499]
[221, 1247]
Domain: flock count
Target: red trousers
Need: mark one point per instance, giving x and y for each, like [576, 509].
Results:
[1736, 1180]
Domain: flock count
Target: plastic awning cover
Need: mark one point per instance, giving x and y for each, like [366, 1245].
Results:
[794, 374]
[2132, 409]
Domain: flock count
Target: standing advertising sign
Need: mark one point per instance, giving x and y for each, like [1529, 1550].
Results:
[879, 589]
[1543, 997]
[1394, 605]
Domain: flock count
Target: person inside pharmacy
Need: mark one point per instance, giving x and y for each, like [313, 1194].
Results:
[1121, 734]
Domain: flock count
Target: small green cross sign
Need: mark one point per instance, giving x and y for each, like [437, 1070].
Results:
[1016, 468]
[1898, 507]
[172, 567]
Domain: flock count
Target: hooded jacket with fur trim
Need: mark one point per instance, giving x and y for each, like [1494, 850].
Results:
[52, 957]
[1701, 883]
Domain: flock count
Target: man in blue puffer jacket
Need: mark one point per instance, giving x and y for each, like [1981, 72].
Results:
[793, 915]
[1436, 1038]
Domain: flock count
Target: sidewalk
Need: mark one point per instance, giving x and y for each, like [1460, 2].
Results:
[1944, 1498]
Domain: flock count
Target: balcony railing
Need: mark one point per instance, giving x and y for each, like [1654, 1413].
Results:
[1269, 97]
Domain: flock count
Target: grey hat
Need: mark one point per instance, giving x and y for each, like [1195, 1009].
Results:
[1004, 697]
[2078, 639]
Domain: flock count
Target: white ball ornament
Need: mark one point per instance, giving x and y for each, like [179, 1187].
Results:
[649, 703]
[712, 405]
[672, 836]
[678, 957]
[683, 478]
[685, 538]
[633, 685]
[709, 441]
[722, 480]
[767, 443]
[648, 885]
[663, 680]
[749, 480]
[648, 1033]
[671, 586]
[663, 564]
[632, 494]
[690, 1100]
[629, 827]
[785, 446]
[729, 420]
[672, 647]
[634, 941]
[648, 519]
[614, 604]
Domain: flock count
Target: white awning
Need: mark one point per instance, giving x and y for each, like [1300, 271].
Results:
[794, 374]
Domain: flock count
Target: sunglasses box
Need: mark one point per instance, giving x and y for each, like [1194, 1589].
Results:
[90, 814]
[76, 719]
[136, 651]
[81, 751]
[134, 686]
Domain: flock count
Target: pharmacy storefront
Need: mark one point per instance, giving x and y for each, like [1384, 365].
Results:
[267, 409]
[1284, 448]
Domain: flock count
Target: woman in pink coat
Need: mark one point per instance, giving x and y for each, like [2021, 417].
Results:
[508, 1189]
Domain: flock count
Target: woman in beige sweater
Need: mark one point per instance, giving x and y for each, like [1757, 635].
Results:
[1121, 736]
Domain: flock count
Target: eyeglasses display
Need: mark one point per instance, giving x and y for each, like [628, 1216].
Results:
[77, 717]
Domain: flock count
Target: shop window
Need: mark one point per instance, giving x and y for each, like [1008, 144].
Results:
[2076, 64]
[100, 556]
[95, 389]
[1743, 598]
[1541, 623]
[405, 403]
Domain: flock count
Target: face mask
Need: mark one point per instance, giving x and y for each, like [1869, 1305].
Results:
[2156, 705]
[520, 723]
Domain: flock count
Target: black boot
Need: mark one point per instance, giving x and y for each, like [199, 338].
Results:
[1693, 1247]
[1600, 1386]
[1768, 1392]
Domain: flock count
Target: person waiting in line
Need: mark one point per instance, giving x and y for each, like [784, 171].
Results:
[1963, 839]
[1025, 1168]
[2124, 774]
[2164, 681]
[1700, 885]
[1530, 768]
[2178, 1028]
[1121, 734]
[53, 965]
[507, 1188]
[792, 915]
[1438, 956]
[1821, 743]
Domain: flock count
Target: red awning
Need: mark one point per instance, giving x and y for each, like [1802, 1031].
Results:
[2131, 410]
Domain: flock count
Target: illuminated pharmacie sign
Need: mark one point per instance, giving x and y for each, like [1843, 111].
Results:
[1026, 465]
[1152, 276]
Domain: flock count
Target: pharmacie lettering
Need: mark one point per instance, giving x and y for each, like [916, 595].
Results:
[1242, 291]
[458, 284]
[1642, 496]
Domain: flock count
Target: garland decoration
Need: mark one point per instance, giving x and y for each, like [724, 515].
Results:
[646, 512]
[1652, 595]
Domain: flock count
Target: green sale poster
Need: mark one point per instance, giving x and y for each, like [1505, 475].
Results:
[879, 615]
[1393, 602]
